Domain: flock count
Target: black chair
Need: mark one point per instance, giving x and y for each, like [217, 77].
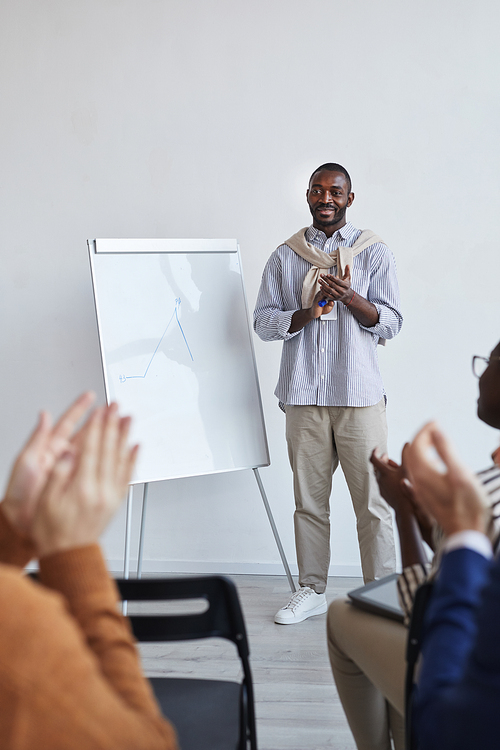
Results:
[207, 714]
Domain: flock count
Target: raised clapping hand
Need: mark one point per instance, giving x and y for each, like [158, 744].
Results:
[391, 480]
[65, 486]
[454, 496]
[85, 487]
[36, 460]
[398, 492]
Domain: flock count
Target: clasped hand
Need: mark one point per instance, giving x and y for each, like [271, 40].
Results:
[336, 288]
[397, 490]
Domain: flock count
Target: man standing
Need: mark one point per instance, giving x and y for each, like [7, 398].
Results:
[330, 293]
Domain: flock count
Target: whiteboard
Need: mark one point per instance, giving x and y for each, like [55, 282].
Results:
[177, 354]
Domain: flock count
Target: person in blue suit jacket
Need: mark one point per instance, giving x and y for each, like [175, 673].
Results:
[457, 705]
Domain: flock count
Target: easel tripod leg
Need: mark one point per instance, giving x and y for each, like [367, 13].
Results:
[143, 524]
[274, 529]
[128, 530]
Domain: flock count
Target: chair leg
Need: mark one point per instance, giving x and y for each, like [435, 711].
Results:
[249, 731]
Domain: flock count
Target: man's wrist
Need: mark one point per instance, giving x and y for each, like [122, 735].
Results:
[452, 524]
[300, 319]
[309, 313]
[350, 298]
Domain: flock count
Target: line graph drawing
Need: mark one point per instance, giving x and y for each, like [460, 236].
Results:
[175, 314]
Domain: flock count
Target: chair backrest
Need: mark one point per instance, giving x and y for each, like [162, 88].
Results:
[223, 617]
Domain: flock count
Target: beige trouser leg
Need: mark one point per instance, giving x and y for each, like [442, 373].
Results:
[318, 438]
[367, 654]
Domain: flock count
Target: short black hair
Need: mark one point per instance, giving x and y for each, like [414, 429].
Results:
[330, 167]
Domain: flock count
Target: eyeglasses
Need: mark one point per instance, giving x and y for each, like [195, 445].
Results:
[479, 364]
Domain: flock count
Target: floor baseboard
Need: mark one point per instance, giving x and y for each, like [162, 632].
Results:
[224, 568]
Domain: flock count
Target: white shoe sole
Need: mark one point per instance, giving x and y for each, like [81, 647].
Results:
[319, 610]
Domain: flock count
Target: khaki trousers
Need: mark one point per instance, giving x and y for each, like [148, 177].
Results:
[319, 437]
[368, 657]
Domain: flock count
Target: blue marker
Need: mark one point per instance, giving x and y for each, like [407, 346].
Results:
[322, 302]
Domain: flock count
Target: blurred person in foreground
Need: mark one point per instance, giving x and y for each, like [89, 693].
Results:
[457, 703]
[70, 675]
[367, 651]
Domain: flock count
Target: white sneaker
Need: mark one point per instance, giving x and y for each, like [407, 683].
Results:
[303, 604]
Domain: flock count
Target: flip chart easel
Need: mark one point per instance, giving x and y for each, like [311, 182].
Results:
[177, 355]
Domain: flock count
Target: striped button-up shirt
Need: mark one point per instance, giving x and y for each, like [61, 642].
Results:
[329, 362]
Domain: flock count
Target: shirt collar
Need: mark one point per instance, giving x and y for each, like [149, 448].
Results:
[344, 233]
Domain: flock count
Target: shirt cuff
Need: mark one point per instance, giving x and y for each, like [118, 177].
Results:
[387, 325]
[285, 323]
[378, 327]
[473, 540]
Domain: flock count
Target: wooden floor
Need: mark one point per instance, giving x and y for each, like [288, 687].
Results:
[296, 702]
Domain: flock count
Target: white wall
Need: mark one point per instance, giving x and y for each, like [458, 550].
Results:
[204, 118]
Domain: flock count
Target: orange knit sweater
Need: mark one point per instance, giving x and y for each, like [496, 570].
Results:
[70, 676]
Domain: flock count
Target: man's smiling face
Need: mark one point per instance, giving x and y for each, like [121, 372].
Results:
[329, 198]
